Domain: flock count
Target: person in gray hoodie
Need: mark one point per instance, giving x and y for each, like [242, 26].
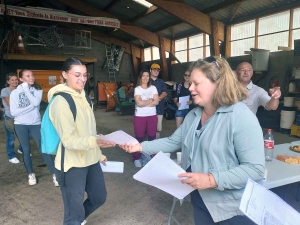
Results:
[24, 106]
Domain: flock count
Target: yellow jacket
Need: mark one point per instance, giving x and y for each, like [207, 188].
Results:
[78, 137]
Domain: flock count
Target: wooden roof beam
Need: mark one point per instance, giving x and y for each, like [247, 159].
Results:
[126, 26]
[184, 12]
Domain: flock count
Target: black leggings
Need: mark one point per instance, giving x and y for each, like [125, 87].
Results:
[77, 181]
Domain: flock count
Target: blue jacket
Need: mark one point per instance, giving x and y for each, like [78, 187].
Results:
[230, 147]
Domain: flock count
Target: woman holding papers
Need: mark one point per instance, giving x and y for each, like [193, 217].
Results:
[145, 118]
[182, 91]
[82, 171]
[221, 142]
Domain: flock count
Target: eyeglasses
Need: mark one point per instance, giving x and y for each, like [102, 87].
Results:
[156, 69]
[187, 75]
[212, 59]
[84, 76]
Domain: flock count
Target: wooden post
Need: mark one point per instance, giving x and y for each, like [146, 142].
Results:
[291, 28]
[164, 66]
[204, 46]
[256, 33]
[135, 63]
[228, 42]
[214, 40]
[172, 51]
[187, 49]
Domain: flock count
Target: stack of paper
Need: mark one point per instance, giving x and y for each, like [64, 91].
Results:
[266, 208]
[113, 167]
[161, 172]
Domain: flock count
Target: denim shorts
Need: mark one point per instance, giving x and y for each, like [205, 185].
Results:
[181, 113]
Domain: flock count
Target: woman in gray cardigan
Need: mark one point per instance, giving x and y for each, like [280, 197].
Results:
[221, 143]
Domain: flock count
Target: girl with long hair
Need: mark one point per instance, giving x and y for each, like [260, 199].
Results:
[24, 106]
[81, 168]
[145, 117]
[11, 84]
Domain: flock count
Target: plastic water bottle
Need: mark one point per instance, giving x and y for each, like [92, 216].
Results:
[269, 145]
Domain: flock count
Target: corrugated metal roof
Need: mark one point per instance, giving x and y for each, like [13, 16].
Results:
[203, 4]
[127, 9]
[155, 20]
[249, 7]
[99, 4]
[166, 24]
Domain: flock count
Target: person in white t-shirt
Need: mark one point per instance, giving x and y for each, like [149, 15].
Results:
[257, 95]
[145, 118]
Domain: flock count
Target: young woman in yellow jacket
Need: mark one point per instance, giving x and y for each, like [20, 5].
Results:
[82, 171]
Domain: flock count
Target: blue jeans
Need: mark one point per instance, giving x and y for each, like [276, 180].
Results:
[181, 113]
[10, 139]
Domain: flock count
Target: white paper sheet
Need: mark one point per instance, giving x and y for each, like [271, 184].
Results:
[113, 167]
[119, 137]
[161, 172]
[183, 102]
[266, 208]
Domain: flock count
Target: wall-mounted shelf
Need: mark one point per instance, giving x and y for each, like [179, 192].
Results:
[52, 58]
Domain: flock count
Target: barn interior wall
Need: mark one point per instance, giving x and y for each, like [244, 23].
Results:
[125, 73]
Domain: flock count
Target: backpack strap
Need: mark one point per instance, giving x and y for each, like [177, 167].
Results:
[71, 102]
[72, 105]
[89, 100]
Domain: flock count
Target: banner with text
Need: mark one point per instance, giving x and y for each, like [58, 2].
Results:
[45, 14]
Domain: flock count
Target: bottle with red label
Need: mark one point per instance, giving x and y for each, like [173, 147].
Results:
[269, 145]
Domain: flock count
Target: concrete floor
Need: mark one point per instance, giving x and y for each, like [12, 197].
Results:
[129, 202]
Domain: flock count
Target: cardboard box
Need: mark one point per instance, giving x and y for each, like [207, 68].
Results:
[295, 130]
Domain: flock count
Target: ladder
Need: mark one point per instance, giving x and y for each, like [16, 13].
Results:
[110, 63]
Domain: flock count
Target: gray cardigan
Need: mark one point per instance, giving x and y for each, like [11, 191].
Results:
[230, 147]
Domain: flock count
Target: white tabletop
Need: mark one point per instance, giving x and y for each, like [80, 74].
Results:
[281, 173]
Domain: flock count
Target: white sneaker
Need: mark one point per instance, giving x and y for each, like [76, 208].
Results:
[14, 160]
[55, 182]
[83, 222]
[31, 179]
[137, 163]
[20, 152]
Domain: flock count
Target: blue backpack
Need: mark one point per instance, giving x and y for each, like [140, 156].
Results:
[49, 137]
